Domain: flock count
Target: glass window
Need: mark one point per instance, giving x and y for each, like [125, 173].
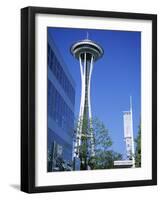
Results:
[57, 70]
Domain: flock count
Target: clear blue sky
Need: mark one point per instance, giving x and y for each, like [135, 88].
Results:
[116, 76]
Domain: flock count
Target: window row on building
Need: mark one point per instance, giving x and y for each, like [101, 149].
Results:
[60, 75]
[58, 110]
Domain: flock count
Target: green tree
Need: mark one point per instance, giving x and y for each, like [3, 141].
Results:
[138, 149]
[105, 159]
[104, 156]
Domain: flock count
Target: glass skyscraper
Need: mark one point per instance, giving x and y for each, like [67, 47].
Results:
[61, 100]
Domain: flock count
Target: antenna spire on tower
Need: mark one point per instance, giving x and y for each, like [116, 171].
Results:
[87, 35]
[130, 103]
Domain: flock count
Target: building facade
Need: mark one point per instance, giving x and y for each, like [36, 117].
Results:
[61, 101]
[128, 134]
[129, 140]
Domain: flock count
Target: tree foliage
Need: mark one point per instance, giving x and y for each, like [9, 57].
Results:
[104, 157]
[138, 149]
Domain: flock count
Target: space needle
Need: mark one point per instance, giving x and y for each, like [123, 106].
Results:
[86, 52]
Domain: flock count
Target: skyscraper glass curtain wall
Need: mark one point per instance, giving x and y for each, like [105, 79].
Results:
[58, 110]
[57, 70]
[61, 100]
